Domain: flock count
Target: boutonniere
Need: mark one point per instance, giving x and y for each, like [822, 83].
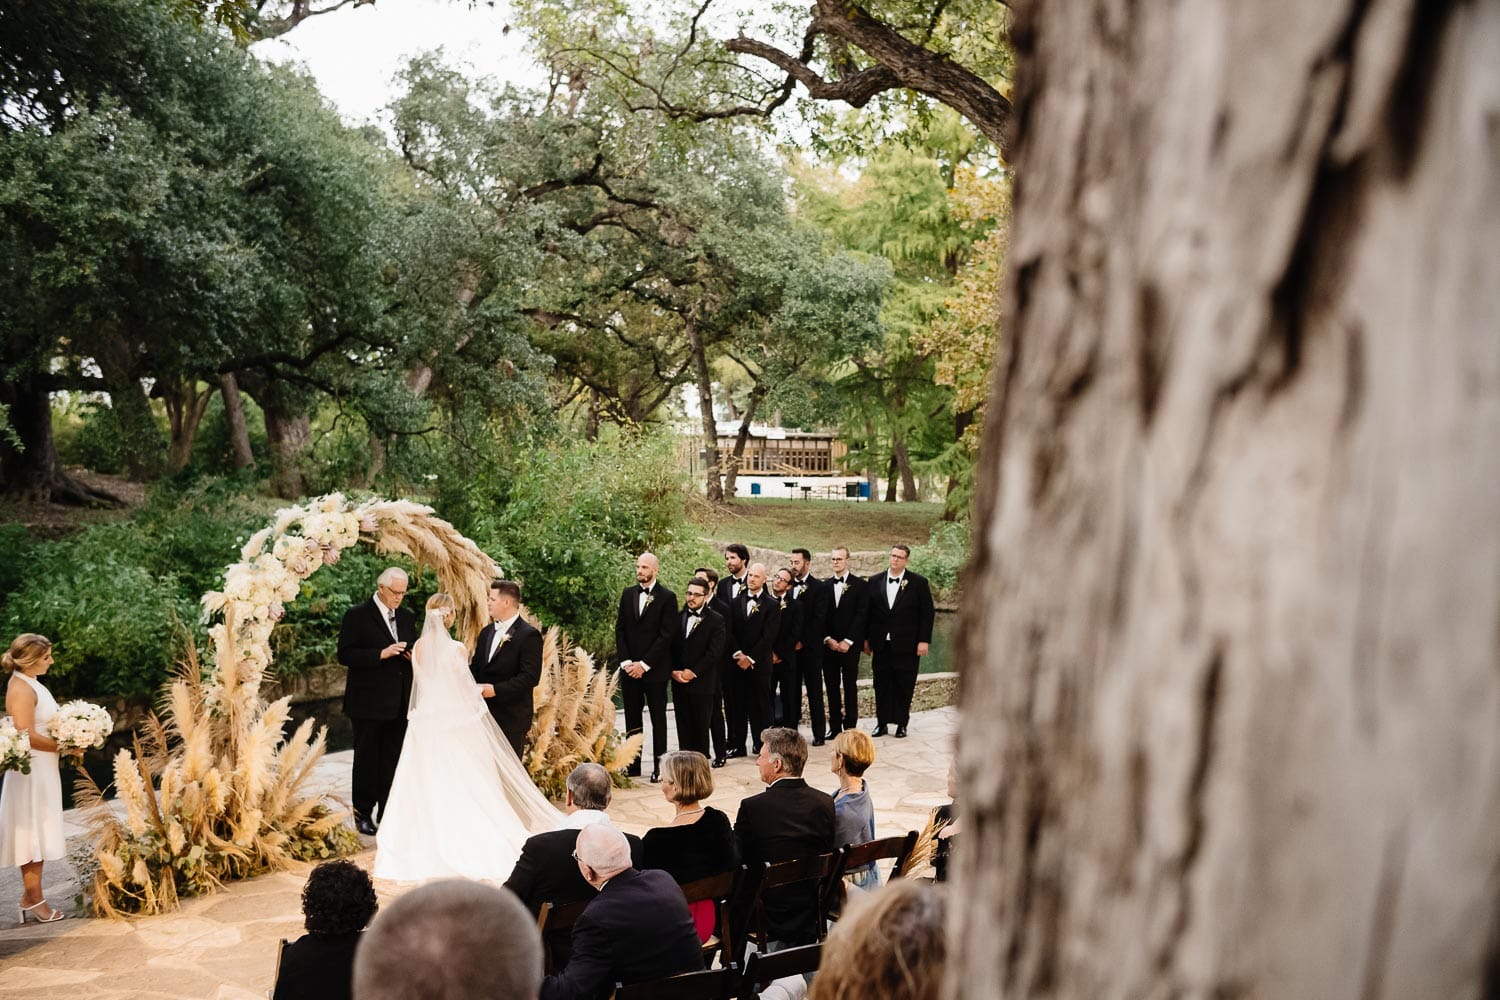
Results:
[783, 604]
[754, 607]
[903, 584]
[649, 599]
[504, 638]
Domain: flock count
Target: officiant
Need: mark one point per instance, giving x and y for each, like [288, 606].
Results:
[375, 644]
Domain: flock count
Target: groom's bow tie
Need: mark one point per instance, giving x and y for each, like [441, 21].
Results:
[694, 614]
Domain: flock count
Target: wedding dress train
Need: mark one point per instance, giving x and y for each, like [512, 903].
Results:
[461, 803]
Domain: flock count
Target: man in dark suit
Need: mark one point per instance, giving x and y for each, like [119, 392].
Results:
[697, 655]
[843, 638]
[717, 731]
[508, 663]
[899, 633]
[786, 696]
[375, 642]
[752, 632]
[789, 821]
[636, 929]
[812, 598]
[545, 872]
[644, 624]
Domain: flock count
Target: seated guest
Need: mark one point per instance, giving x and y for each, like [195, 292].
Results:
[337, 902]
[945, 820]
[546, 872]
[636, 929]
[450, 940]
[889, 945]
[789, 821]
[854, 813]
[698, 843]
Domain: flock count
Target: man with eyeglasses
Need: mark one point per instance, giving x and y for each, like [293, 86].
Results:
[375, 642]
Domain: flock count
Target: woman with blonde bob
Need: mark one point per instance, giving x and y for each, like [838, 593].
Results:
[699, 842]
[461, 803]
[31, 820]
[889, 945]
[854, 812]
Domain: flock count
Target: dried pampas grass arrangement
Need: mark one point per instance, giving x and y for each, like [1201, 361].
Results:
[574, 718]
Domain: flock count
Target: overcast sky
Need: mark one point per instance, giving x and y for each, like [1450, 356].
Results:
[356, 52]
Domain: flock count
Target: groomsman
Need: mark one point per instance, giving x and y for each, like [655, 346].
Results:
[786, 696]
[643, 643]
[375, 640]
[843, 637]
[812, 598]
[507, 664]
[728, 589]
[752, 632]
[697, 657]
[900, 631]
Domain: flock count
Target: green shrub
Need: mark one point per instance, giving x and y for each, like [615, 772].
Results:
[943, 558]
[86, 433]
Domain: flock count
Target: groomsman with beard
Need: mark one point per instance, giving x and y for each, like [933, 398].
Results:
[728, 590]
[717, 731]
[644, 625]
[697, 656]
[752, 634]
[844, 595]
[786, 697]
[375, 640]
[507, 664]
[812, 598]
[901, 613]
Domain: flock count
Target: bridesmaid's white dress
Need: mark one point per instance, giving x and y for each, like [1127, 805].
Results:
[31, 813]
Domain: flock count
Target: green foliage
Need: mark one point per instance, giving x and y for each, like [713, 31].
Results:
[944, 556]
[87, 434]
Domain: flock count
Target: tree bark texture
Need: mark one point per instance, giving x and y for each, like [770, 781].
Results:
[234, 412]
[288, 435]
[903, 463]
[33, 471]
[1232, 717]
[186, 406]
[116, 356]
[737, 457]
[713, 485]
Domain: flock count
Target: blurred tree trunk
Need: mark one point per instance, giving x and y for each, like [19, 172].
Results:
[737, 457]
[186, 406]
[128, 404]
[234, 412]
[1233, 625]
[288, 434]
[903, 463]
[713, 484]
[29, 465]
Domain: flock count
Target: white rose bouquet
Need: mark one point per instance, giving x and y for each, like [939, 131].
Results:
[15, 748]
[80, 725]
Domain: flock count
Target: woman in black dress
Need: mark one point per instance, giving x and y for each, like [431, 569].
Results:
[699, 842]
[337, 902]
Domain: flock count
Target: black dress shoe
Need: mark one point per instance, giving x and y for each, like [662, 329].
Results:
[736, 752]
[832, 734]
[719, 761]
[656, 776]
[363, 825]
[879, 730]
[900, 732]
[819, 741]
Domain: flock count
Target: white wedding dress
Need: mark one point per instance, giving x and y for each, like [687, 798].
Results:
[461, 804]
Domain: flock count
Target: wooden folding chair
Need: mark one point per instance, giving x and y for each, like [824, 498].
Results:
[555, 918]
[855, 857]
[276, 976]
[764, 966]
[715, 984]
[718, 889]
[785, 877]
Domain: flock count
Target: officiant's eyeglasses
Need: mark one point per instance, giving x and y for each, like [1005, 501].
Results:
[393, 590]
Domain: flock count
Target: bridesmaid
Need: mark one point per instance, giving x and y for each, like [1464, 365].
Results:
[31, 821]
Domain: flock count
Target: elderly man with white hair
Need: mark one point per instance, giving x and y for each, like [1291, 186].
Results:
[375, 643]
[637, 929]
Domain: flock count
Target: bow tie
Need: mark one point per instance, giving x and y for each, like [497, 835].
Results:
[893, 579]
[694, 614]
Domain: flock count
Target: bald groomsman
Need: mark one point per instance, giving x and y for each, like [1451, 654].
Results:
[644, 625]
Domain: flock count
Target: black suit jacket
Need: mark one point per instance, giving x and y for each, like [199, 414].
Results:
[375, 688]
[546, 872]
[847, 620]
[723, 599]
[754, 633]
[703, 651]
[514, 670]
[789, 821]
[647, 635]
[813, 601]
[317, 967]
[907, 622]
[788, 627]
[637, 929]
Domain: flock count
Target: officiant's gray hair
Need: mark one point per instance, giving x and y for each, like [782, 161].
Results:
[590, 786]
[450, 940]
[604, 849]
[390, 575]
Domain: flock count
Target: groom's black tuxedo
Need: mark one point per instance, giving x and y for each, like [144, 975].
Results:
[514, 669]
[376, 695]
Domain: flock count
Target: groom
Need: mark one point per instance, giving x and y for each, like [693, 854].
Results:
[508, 663]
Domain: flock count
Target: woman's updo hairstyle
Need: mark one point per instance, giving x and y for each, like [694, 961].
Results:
[26, 652]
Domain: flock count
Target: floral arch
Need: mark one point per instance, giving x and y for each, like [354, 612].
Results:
[212, 791]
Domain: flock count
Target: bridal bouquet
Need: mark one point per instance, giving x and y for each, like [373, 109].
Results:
[80, 725]
[15, 748]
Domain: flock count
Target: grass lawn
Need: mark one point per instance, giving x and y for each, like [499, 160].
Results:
[821, 524]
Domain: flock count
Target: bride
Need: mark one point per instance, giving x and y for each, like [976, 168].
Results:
[461, 803]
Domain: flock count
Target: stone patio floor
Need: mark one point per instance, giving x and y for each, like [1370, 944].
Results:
[224, 946]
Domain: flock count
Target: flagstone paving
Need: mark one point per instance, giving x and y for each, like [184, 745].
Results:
[224, 946]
